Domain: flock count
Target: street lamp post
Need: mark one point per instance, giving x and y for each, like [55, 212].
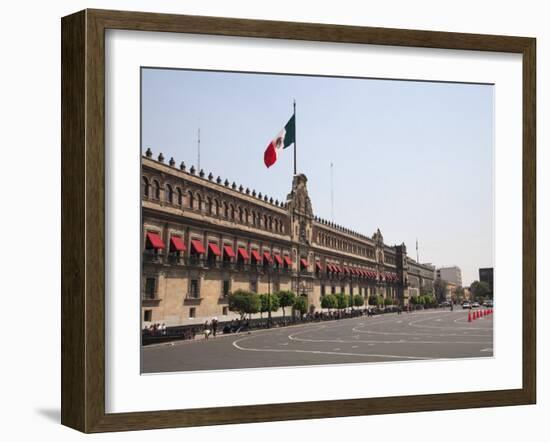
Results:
[268, 297]
[351, 294]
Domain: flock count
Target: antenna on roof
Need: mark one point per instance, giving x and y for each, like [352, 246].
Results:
[331, 194]
[199, 149]
[417, 260]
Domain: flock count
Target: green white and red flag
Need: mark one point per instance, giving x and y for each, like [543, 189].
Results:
[284, 138]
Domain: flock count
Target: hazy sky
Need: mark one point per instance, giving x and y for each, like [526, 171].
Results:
[414, 159]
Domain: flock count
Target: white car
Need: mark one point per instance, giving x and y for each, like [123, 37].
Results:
[475, 304]
[466, 305]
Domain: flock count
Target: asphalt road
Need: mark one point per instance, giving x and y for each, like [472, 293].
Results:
[390, 337]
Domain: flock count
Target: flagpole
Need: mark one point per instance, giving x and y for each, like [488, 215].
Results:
[295, 137]
[331, 194]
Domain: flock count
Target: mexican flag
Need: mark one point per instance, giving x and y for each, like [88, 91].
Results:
[285, 138]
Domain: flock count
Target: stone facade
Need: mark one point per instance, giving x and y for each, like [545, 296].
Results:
[204, 237]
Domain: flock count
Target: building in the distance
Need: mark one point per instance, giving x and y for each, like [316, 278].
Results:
[486, 275]
[204, 237]
[452, 275]
[420, 277]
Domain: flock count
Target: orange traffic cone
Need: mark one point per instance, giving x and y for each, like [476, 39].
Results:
[469, 317]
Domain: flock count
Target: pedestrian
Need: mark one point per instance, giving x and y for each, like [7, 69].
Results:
[206, 329]
[214, 326]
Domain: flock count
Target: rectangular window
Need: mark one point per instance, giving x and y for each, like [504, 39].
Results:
[225, 311]
[322, 290]
[194, 288]
[147, 315]
[254, 286]
[333, 290]
[192, 312]
[276, 286]
[343, 289]
[150, 288]
[226, 288]
[350, 289]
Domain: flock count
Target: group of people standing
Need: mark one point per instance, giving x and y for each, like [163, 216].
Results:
[210, 327]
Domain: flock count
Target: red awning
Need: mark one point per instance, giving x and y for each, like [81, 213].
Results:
[154, 241]
[346, 270]
[228, 250]
[288, 261]
[267, 257]
[197, 246]
[304, 262]
[338, 268]
[214, 249]
[243, 253]
[318, 266]
[255, 255]
[278, 259]
[176, 244]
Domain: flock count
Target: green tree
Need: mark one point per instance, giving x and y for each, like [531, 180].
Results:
[300, 305]
[480, 290]
[373, 300]
[458, 294]
[414, 300]
[244, 303]
[286, 299]
[358, 301]
[329, 301]
[440, 289]
[388, 301]
[266, 300]
[342, 301]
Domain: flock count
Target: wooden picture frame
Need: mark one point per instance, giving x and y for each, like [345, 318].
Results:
[83, 220]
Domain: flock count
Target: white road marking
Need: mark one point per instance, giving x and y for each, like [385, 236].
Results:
[276, 350]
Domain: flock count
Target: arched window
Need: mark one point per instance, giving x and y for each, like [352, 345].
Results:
[209, 205]
[270, 223]
[145, 187]
[169, 194]
[156, 190]
[179, 196]
[191, 200]
[216, 208]
[241, 215]
[225, 210]
[265, 222]
[232, 212]
[199, 202]
[246, 218]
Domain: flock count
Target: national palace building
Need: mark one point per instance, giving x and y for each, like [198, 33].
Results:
[204, 237]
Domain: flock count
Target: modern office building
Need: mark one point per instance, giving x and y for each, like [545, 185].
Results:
[451, 274]
[486, 275]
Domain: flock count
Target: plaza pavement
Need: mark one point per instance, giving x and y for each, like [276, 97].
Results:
[407, 337]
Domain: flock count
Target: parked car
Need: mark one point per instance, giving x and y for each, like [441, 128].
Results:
[466, 305]
[488, 303]
[475, 304]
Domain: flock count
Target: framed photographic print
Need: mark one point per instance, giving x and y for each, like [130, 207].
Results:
[267, 221]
